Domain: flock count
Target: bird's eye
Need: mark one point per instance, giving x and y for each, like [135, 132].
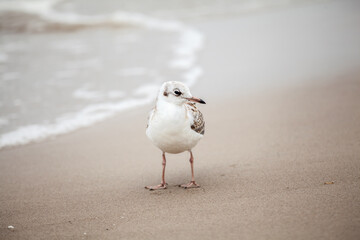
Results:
[177, 92]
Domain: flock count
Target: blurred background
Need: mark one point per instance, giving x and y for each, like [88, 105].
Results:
[68, 64]
[280, 155]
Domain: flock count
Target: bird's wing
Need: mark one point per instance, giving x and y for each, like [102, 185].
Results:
[151, 115]
[198, 125]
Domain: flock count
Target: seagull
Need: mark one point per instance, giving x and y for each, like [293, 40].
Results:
[175, 125]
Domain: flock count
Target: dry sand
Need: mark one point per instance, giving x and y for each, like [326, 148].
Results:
[262, 166]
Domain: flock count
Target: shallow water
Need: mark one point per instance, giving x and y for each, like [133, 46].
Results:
[70, 64]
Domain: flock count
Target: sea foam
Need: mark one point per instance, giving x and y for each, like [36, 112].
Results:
[184, 59]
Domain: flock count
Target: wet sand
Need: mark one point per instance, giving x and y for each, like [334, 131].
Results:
[262, 171]
[282, 163]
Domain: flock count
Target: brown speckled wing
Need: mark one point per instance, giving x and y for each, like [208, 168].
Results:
[199, 124]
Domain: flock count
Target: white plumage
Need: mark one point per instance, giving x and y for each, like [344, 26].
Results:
[175, 124]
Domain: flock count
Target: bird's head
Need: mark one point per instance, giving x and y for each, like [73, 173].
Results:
[177, 93]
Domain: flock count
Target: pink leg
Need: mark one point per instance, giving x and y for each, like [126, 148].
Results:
[163, 184]
[192, 183]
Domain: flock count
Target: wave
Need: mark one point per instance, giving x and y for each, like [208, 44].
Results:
[190, 41]
[46, 11]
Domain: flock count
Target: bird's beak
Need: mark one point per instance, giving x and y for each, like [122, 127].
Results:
[198, 100]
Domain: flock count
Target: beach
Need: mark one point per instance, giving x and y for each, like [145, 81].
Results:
[280, 158]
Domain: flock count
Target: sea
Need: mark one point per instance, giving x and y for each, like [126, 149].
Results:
[68, 64]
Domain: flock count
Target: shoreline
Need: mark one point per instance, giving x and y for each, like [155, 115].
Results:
[331, 49]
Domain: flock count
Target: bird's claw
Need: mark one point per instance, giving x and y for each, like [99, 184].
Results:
[191, 184]
[157, 187]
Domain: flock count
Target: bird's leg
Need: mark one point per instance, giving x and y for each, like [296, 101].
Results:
[191, 184]
[163, 184]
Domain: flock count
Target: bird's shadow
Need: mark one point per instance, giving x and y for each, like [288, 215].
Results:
[175, 189]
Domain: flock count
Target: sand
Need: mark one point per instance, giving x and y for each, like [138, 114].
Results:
[262, 172]
[280, 163]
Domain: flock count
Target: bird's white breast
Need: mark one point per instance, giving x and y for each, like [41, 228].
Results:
[170, 128]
